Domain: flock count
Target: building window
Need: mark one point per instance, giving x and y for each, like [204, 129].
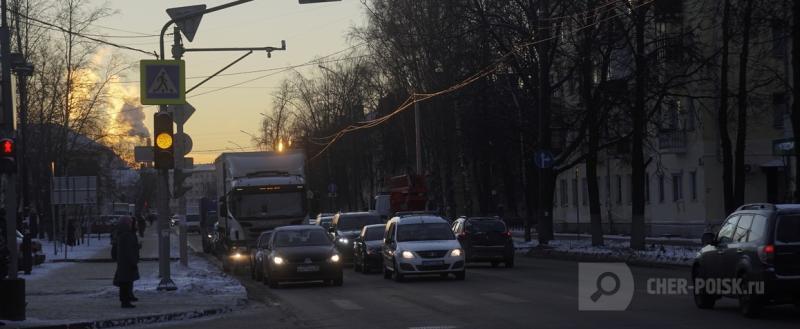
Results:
[585, 191]
[564, 195]
[575, 192]
[677, 187]
[779, 108]
[660, 188]
[619, 189]
[693, 177]
[646, 187]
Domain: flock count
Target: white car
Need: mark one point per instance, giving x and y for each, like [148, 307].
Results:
[421, 244]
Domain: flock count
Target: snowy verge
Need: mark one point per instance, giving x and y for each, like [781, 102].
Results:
[654, 254]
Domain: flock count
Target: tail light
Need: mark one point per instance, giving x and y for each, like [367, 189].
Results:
[766, 254]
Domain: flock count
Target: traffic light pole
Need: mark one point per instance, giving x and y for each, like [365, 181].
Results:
[177, 53]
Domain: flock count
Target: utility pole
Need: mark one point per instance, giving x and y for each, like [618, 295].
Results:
[177, 53]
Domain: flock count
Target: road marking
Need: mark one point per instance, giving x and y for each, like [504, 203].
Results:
[450, 300]
[346, 305]
[504, 297]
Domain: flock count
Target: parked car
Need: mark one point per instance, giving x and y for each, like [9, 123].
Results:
[193, 223]
[758, 243]
[324, 221]
[346, 226]
[105, 224]
[257, 255]
[485, 239]
[367, 248]
[313, 221]
[301, 253]
[421, 244]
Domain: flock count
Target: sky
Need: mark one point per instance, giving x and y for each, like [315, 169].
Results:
[310, 31]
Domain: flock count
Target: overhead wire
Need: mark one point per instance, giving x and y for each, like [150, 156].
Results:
[418, 97]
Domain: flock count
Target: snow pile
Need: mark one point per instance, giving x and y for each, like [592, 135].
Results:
[619, 250]
[92, 248]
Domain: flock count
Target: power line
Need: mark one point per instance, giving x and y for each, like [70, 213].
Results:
[54, 27]
[418, 97]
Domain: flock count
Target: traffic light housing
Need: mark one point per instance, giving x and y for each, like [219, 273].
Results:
[164, 146]
[8, 156]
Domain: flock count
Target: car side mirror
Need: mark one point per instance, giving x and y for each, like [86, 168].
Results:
[332, 229]
[708, 238]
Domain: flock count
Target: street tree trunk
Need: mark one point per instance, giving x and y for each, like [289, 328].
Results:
[741, 130]
[639, 123]
[722, 114]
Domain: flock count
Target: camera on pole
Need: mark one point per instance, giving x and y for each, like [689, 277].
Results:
[163, 154]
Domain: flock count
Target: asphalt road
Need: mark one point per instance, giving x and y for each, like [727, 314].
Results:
[537, 293]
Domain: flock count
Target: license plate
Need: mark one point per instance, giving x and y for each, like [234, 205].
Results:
[433, 262]
[307, 268]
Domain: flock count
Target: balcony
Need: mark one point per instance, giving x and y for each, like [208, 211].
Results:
[672, 142]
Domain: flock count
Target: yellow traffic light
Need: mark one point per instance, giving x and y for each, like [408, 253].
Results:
[164, 141]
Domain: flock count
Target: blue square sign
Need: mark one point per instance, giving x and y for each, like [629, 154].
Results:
[162, 82]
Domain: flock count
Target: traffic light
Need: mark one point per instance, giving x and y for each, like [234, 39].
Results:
[8, 150]
[163, 153]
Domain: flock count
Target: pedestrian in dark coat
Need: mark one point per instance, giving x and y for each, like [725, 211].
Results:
[127, 261]
[141, 224]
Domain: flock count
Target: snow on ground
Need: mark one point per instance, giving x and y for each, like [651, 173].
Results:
[656, 253]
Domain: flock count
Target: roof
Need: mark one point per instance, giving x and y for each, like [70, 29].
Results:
[419, 219]
[265, 181]
[357, 213]
[374, 225]
[298, 227]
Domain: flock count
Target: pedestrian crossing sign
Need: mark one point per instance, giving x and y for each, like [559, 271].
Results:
[162, 82]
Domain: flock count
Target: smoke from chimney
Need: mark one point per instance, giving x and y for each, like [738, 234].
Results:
[131, 120]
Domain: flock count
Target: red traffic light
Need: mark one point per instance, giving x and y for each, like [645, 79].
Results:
[7, 148]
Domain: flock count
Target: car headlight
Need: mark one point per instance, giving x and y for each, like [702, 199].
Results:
[343, 240]
[407, 254]
[335, 258]
[456, 252]
[277, 260]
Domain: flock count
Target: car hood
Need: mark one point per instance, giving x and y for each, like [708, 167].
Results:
[429, 245]
[313, 252]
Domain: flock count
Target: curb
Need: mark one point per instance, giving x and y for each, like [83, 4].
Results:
[106, 260]
[582, 257]
[139, 320]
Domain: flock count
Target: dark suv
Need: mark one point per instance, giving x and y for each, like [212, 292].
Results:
[346, 226]
[757, 246]
[485, 239]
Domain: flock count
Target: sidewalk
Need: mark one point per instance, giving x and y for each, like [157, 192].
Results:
[80, 293]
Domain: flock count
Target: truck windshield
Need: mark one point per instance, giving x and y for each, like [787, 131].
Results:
[268, 205]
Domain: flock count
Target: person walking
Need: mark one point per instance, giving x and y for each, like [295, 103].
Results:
[141, 224]
[127, 261]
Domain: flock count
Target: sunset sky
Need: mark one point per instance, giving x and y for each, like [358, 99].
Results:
[310, 31]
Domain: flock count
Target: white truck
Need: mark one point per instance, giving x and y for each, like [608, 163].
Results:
[257, 191]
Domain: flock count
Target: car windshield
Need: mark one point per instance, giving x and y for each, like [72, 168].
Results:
[267, 205]
[354, 223]
[374, 233]
[299, 238]
[424, 232]
[488, 226]
[788, 229]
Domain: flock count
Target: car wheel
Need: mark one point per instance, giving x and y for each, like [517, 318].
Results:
[271, 282]
[259, 274]
[387, 274]
[509, 263]
[749, 304]
[356, 266]
[398, 277]
[364, 267]
[252, 271]
[702, 299]
[461, 275]
[495, 263]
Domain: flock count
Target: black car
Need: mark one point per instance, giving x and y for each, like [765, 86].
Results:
[301, 253]
[257, 255]
[324, 221]
[367, 248]
[759, 244]
[346, 226]
[485, 239]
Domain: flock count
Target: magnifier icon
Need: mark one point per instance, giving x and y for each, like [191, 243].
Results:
[602, 292]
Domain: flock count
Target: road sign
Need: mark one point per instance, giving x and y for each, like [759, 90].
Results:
[74, 190]
[143, 154]
[543, 159]
[183, 144]
[162, 82]
[181, 113]
[187, 26]
[784, 146]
